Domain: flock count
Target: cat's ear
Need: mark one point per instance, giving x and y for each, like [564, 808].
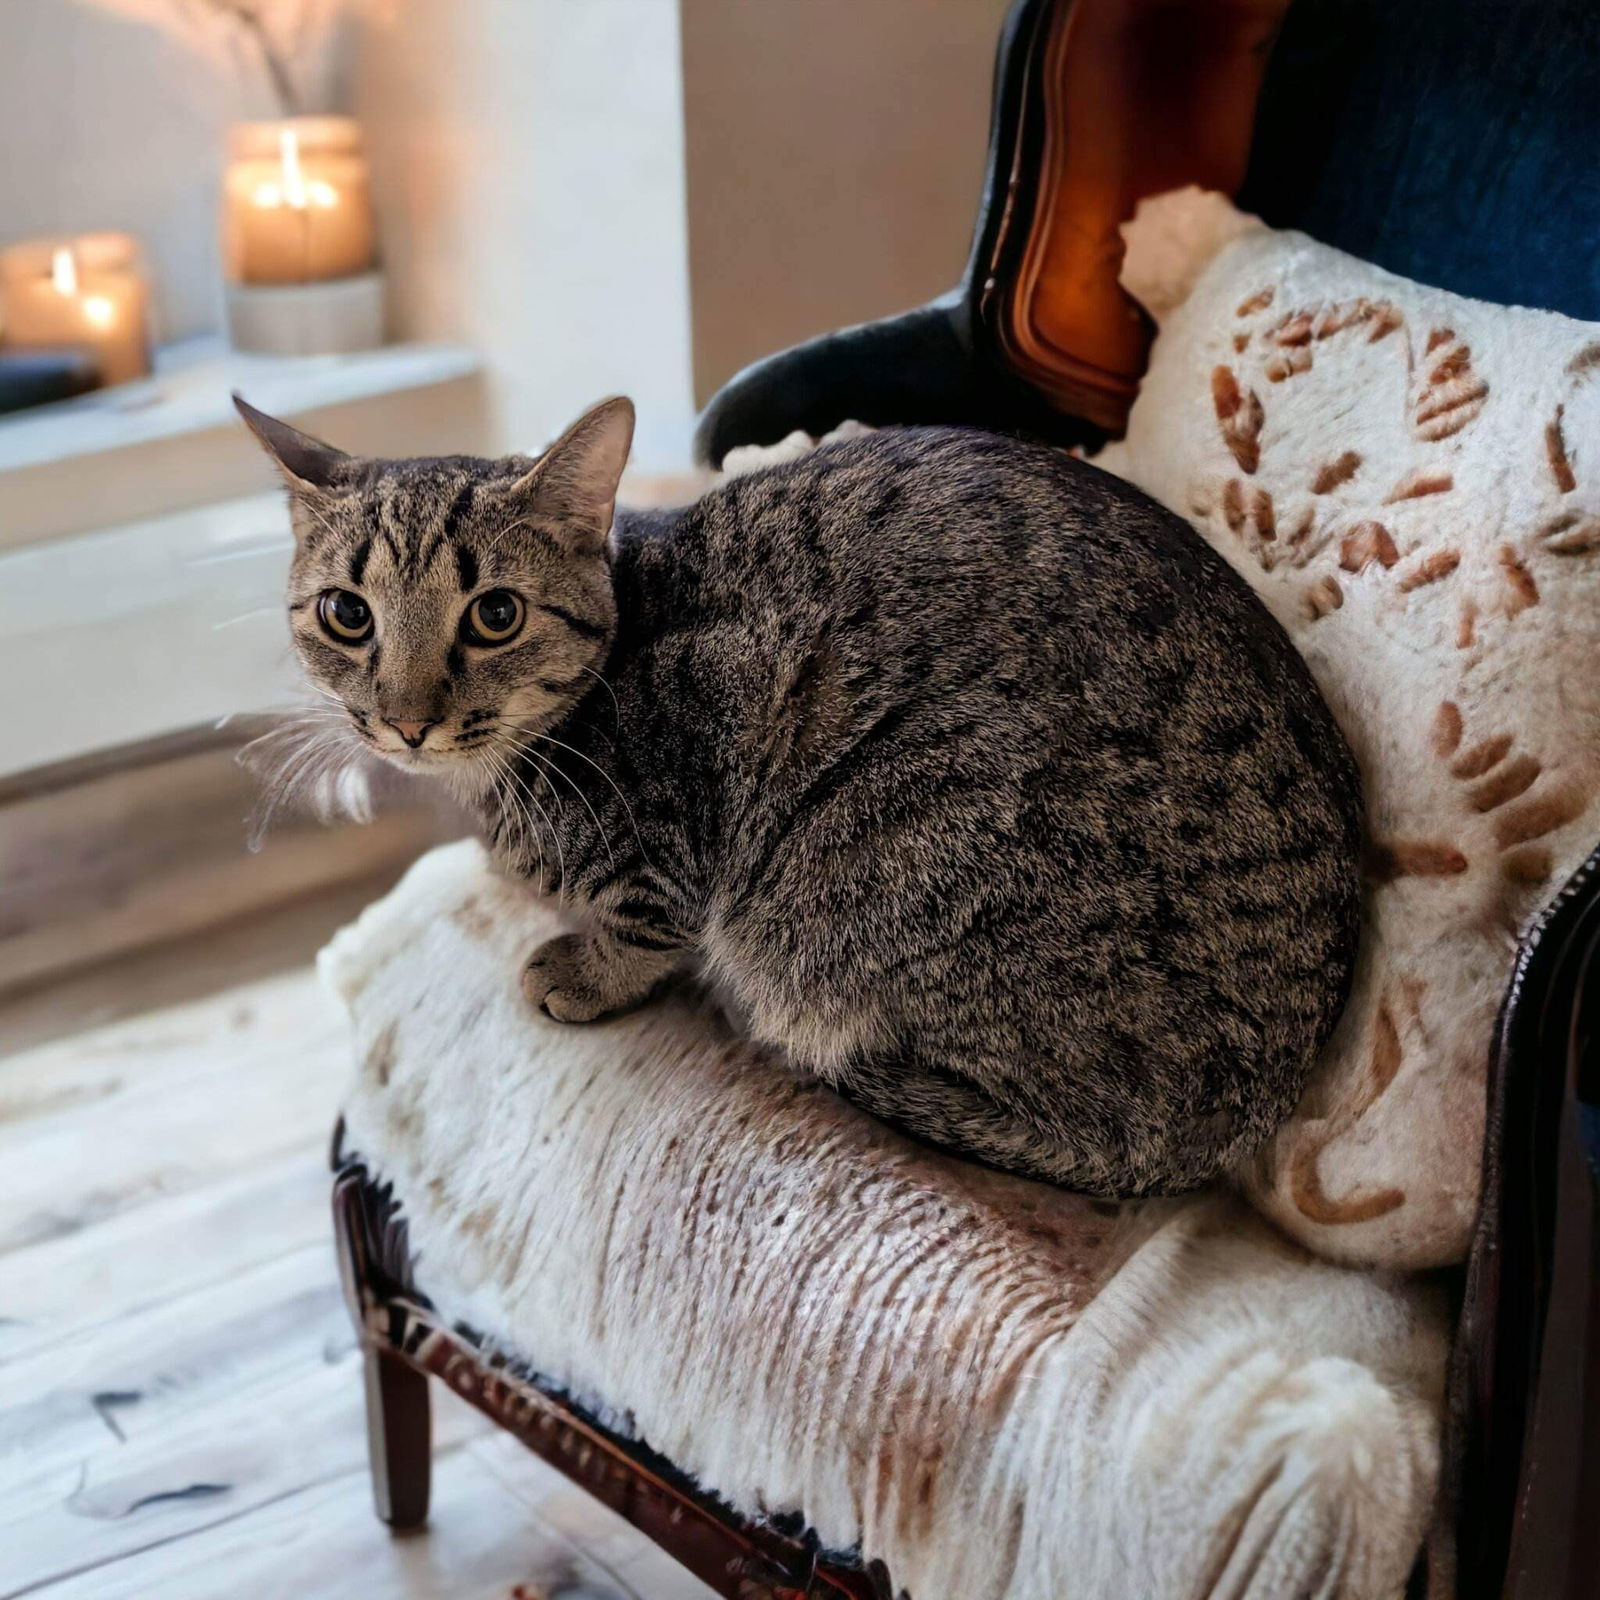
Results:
[307, 464]
[575, 481]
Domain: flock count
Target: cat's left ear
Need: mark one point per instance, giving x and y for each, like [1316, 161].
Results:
[575, 481]
[307, 464]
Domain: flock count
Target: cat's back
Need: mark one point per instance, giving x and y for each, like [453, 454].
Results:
[948, 526]
[933, 503]
[1004, 596]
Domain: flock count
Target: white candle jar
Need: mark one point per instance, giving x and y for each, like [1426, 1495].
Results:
[297, 202]
[87, 291]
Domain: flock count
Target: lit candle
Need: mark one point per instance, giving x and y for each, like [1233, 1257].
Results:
[297, 205]
[86, 291]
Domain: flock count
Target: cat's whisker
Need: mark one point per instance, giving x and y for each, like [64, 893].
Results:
[550, 767]
[555, 837]
[520, 733]
[515, 778]
[615, 708]
[506, 532]
[318, 517]
[517, 810]
[632, 821]
[246, 616]
[308, 753]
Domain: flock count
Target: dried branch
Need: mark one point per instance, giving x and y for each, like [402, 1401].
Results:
[289, 40]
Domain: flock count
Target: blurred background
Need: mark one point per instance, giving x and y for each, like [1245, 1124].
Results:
[411, 227]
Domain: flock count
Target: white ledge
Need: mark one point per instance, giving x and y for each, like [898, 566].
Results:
[191, 391]
[173, 440]
[142, 630]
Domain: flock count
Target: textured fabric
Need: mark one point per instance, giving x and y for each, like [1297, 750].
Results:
[998, 1388]
[1411, 481]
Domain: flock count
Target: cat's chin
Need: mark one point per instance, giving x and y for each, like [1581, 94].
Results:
[434, 764]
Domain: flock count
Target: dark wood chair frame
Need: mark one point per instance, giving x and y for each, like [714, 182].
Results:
[404, 1343]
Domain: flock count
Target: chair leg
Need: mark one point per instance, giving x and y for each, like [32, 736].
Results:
[399, 1438]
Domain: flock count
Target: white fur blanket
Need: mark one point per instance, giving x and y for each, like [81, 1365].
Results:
[997, 1388]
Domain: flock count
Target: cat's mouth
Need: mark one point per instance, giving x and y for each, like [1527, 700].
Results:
[459, 745]
[445, 756]
[419, 760]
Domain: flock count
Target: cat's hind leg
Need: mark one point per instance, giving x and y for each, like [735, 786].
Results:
[951, 1110]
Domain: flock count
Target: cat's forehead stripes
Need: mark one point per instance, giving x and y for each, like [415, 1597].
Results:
[459, 507]
[415, 522]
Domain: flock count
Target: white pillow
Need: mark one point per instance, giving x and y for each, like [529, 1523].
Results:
[1411, 481]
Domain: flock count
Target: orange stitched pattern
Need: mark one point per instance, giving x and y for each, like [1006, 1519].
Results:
[1324, 596]
[1555, 448]
[1451, 394]
[1573, 533]
[1416, 484]
[1524, 591]
[1239, 416]
[1439, 565]
[1306, 1190]
[1333, 473]
[1365, 543]
[1388, 859]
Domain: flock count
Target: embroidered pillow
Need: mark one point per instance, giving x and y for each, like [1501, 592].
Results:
[1411, 481]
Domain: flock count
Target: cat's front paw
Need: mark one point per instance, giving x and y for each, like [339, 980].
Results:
[556, 982]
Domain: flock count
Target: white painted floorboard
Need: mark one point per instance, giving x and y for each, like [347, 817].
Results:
[180, 1390]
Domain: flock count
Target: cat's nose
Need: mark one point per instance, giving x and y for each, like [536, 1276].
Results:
[412, 732]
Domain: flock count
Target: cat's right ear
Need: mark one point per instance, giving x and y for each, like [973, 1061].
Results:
[308, 465]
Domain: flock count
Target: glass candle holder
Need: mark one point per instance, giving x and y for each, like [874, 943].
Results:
[88, 291]
[297, 203]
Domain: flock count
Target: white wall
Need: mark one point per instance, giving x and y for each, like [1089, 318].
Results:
[529, 160]
[835, 154]
[108, 124]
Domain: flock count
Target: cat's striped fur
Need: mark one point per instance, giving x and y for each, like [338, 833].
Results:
[972, 777]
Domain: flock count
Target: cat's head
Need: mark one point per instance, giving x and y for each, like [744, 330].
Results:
[450, 607]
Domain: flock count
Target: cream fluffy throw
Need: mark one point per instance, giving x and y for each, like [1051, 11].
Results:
[997, 1388]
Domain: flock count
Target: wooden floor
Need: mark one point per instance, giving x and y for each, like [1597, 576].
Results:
[180, 1393]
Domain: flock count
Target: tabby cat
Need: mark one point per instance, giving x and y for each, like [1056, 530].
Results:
[973, 778]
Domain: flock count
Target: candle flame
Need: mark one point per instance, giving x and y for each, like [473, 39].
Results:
[64, 270]
[294, 183]
[99, 310]
[293, 188]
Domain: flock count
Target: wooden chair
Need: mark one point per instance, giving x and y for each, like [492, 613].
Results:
[1098, 103]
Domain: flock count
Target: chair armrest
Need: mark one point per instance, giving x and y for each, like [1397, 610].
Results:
[1524, 1431]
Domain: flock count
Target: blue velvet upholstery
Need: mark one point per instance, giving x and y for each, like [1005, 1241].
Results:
[1456, 142]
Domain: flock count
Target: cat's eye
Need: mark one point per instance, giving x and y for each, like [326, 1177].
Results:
[493, 618]
[345, 616]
